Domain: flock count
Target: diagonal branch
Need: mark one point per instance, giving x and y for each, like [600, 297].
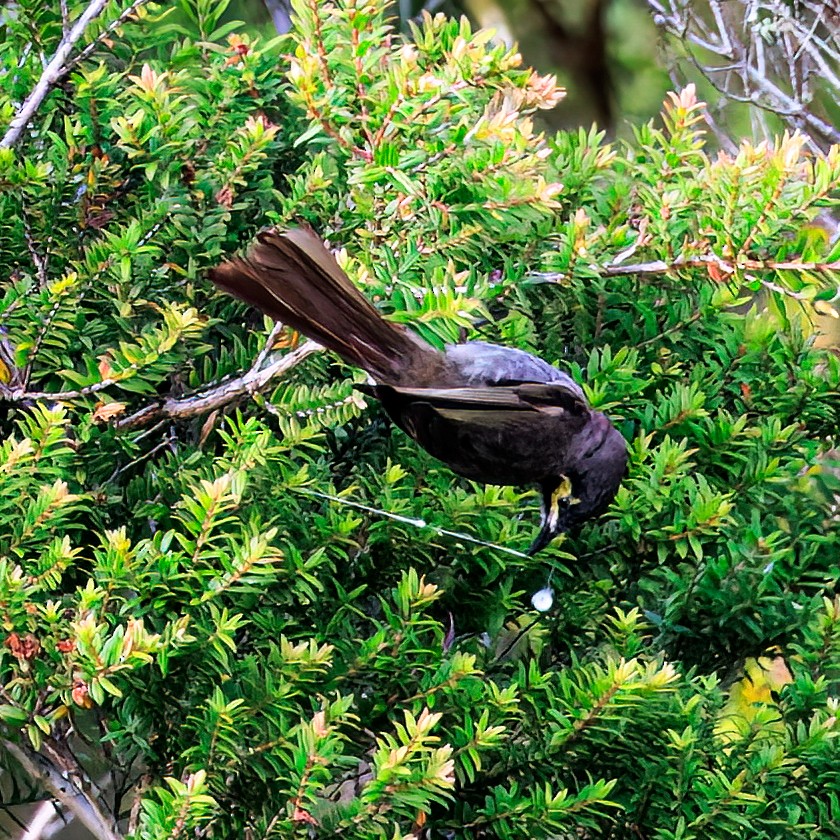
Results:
[252, 381]
[114, 24]
[205, 401]
[63, 790]
[51, 75]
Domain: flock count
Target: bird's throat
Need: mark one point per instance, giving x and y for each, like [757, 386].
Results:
[550, 519]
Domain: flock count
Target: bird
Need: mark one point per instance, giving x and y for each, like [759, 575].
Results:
[491, 413]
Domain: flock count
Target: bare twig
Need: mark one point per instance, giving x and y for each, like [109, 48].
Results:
[278, 327]
[671, 330]
[140, 788]
[765, 53]
[65, 18]
[39, 262]
[254, 380]
[49, 320]
[76, 801]
[166, 443]
[21, 394]
[51, 75]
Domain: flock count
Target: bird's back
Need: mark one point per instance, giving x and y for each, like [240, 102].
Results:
[481, 363]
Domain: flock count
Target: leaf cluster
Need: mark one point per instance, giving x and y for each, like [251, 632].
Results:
[282, 619]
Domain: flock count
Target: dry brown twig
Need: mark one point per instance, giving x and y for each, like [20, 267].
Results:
[254, 380]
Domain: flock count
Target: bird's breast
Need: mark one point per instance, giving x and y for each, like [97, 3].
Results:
[493, 447]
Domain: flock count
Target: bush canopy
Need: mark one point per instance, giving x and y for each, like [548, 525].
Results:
[236, 603]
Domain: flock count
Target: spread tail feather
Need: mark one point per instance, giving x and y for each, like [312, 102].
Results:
[292, 277]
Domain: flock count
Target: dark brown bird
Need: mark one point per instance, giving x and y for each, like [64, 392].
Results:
[493, 414]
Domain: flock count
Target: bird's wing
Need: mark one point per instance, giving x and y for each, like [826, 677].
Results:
[522, 396]
[500, 434]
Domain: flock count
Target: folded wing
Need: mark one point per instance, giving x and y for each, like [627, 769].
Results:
[476, 429]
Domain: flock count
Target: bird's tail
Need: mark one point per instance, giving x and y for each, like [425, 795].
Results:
[293, 278]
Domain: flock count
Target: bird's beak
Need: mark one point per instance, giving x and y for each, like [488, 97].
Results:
[543, 538]
[550, 524]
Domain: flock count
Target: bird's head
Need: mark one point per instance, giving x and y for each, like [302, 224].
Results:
[597, 464]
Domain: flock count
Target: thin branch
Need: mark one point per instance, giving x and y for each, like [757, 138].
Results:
[51, 75]
[140, 788]
[83, 808]
[203, 402]
[254, 380]
[361, 93]
[754, 61]
[39, 262]
[655, 267]
[278, 327]
[49, 320]
[786, 107]
[22, 395]
[146, 456]
[700, 313]
[114, 24]
[65, 18]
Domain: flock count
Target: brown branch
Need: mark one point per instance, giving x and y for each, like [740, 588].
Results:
[388, 118]
[319, 43]
[333, 132]
[361, 93]
[755, 227]
[221, 395]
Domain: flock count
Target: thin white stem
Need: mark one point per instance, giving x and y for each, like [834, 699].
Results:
[278, 327]
[407, 520]
[114, 24]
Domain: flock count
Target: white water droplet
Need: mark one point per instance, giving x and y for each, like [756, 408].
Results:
[542, 600]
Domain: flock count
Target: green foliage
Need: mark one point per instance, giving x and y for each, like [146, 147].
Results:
[225, 575]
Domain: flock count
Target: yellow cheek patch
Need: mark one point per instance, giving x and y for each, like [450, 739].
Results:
[563, 492]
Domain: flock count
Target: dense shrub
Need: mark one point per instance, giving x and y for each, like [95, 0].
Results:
[231, 591]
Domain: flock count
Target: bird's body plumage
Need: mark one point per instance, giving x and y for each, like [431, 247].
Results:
[493, 414]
